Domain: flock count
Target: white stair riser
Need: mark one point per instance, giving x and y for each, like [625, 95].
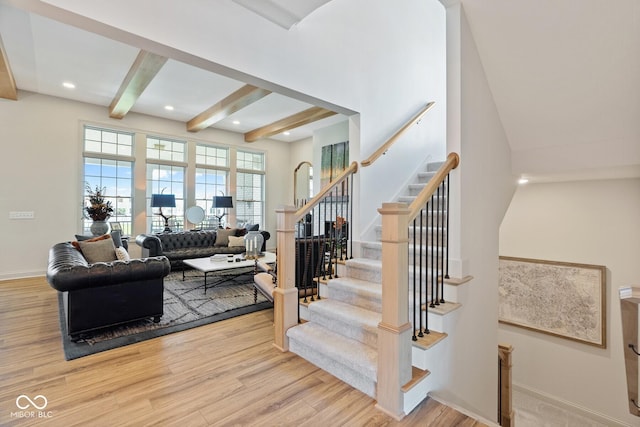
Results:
[433, 359]
[417, 394]
[443, 323]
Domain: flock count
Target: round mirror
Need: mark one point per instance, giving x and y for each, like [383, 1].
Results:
[195, 214]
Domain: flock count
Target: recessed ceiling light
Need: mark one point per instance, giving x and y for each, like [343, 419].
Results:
[168, 107]
[69, 85]
[286, 133]
[236, 122]
[523, 181]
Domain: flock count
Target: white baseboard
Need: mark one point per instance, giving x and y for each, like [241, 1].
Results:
[569, 406]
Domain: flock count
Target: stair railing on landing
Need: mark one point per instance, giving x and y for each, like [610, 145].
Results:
[429, 259]
[429, 267]
[388, 143]
[312, 238]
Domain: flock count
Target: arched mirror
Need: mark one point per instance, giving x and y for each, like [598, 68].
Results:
[302, 183]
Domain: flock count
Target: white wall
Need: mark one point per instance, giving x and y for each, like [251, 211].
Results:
[42, 172]
[586, 222]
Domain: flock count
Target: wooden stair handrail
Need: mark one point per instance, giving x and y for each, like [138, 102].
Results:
[353, 168]
[384, 147]
[452, 162]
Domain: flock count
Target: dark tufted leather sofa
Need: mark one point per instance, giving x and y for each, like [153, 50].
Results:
[181, 245]
[105, 293]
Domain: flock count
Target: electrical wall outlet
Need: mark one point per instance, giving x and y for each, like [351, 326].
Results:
[22, 215]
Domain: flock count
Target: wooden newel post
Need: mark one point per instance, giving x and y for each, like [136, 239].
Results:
[505, 395]
[394, 331]
[285, 296]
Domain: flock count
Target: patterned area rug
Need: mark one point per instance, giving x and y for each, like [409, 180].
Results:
[185, 306]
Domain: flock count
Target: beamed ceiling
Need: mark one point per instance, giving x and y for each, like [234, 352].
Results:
[39, 55]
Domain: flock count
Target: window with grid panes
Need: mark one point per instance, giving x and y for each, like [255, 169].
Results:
[212, 174]
[166, 175]
[108, 165]
[250, 188]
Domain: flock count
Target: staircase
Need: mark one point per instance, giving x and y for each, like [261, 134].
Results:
[340, 334]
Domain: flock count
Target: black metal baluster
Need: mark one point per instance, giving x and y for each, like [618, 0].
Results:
[446, 275]
[419, 304]
[424, 253]
[430, 238]
[321, 242]
[441, 245]
[327, 236]
[312, 269]
[299, 268]
[335, 202]
[415, 323]
[350, 224]
[317, 243]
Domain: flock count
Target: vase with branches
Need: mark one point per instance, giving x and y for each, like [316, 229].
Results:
[98, 209]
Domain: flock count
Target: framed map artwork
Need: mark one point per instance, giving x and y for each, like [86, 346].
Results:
[562, 299]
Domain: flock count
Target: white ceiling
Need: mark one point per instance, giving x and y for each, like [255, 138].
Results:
[565, 77]
[44, 53]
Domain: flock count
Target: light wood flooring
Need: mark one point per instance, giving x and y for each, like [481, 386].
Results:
[223, 374]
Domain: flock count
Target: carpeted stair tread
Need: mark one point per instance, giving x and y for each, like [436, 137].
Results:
[349, 320]
[347, 359]
[358, 292]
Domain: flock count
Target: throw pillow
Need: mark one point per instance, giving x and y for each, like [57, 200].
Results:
[236, 241]
[98, 251]
[116, 235]
[88, 239]
[122, 254]
[222, 236]
[254, 227]
[241, 232]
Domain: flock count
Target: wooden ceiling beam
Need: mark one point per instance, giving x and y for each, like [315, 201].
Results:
[143, 70]
[8, 88]
[299, 119]
[239, 99]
